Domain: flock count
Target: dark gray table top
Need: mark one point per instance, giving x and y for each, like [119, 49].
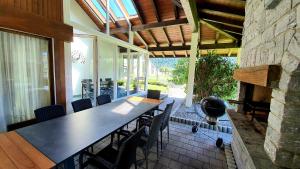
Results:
[64, 137]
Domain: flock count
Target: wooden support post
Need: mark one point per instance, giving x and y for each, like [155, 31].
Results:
[192, 64]
[107, 17]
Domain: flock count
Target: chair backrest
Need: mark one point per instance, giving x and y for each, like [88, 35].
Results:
[153, 94]
[167, 112]
[103, 99]
[49, 112]
[154, 130]
[81, 104]
[127, 151]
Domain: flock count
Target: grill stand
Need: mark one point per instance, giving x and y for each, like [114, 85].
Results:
[219, 140]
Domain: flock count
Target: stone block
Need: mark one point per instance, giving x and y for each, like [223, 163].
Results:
[289, 62]
[270, 149]
[277, 108]
[284, 81]
[286, 22]
[272, 15]
[274, 121]
[268, 34]
[273, 135]
[293, 45]
[294, 4]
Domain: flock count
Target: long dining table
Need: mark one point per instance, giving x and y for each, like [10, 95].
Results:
[57, 141]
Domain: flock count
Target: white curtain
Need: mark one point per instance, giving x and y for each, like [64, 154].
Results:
[24, 77]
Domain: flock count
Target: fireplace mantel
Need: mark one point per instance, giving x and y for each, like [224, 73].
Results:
[264, 75]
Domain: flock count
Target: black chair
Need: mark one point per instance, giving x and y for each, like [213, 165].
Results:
[147, 121]
[110, 158]
[153, 94]
[49, 112]
[103, 99]
[81, 104]
[148, 140]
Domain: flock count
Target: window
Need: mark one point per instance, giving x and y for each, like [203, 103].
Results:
[24, 76]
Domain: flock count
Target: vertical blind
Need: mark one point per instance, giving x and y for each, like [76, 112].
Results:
[24, 76]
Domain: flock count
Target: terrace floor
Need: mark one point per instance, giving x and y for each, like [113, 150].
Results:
[185, 150]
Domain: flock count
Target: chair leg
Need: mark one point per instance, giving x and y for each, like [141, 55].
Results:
[161, 140]
[146, 159]
[157, 151]
[168, 130]
[135, 165]
[112, 138]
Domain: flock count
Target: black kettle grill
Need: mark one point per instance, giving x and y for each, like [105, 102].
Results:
[213, 107]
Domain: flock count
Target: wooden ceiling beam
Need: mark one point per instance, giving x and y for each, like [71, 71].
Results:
[226, 27]
[141, 17]
[154, 6]
[222, 8]
[141, 39]
[182, 35]
[187, 47]
[229, 35]
[190, 10]
[158, 18]
[221, 19]
[145, 27]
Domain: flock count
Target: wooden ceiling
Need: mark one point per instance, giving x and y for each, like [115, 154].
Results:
[161, 25]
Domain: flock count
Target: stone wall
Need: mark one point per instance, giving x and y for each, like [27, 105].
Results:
[272, 36]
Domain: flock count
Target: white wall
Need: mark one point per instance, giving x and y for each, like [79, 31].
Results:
[77, 15]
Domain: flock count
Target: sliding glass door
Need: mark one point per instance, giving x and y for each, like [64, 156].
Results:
[83, 73]
[24, 76]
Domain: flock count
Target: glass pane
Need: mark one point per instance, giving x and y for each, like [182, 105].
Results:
[106, 69]
[133, 74]
[99, 7]
[129, 7]
[122, 67]
[115, 8]
[142, 64]
[24, 76]
[82, 51]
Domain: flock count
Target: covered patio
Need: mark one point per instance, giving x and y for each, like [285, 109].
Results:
[75, 87]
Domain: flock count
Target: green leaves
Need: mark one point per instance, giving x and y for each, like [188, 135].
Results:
[213, 76]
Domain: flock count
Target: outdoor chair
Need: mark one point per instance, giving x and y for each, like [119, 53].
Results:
[103, 99]
[81, 104]
[110, 158]
[150, 136]
[147, 121]
[153, 94]
[49, 112]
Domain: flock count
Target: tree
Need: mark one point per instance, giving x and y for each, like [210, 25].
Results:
[214, 76]
[180, 73]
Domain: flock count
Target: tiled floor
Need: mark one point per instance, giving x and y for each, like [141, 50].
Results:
[185, 150]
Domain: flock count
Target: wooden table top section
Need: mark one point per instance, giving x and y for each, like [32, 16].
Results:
[144, 100]
[17, 153]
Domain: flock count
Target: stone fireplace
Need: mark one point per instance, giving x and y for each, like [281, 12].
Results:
[271, 37]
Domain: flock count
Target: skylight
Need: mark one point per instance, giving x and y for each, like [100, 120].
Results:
[129, 6]
[99, 7]
[116, 10]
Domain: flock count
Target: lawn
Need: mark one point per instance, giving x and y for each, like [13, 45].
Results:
[163, 89]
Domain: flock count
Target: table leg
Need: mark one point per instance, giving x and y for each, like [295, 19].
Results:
[69, 163]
